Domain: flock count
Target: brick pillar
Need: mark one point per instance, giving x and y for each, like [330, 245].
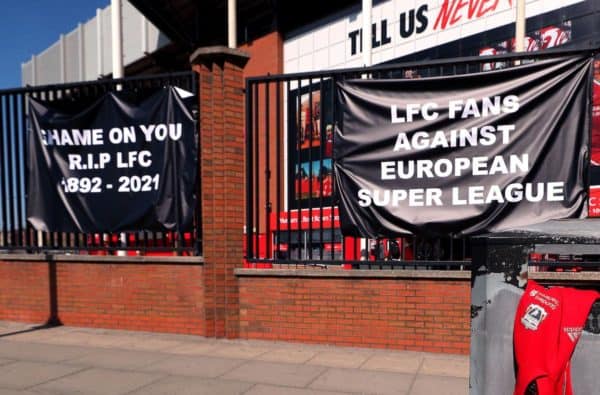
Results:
[222, 178]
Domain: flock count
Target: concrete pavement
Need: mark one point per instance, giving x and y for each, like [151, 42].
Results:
[69, 360]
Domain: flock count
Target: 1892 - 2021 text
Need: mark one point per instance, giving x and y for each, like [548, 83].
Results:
[135, 184]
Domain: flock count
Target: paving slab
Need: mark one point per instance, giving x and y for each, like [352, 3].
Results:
[340, 359]
[9, 327]
[118, 359]
[285, 374]
[287, 355]
[202, 348]
[428, 385]
[40, 352]
[179, 337]
[6, 391]
[194, 366]
[57, 338]
[239, 350]
[86, 337]
[110, 341]
[261, 389]
[394, 362]
[98, 382]
[364, 381]
[193, 386]
[25, 374]
[4, 361]
[453, 366]
[29, 335]
[99, 337]
[148, 344]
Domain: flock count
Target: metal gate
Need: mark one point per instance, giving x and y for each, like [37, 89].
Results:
[291, 212]
[16, 235]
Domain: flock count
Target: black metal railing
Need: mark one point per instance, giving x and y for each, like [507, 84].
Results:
[16, 235]
[291, 211]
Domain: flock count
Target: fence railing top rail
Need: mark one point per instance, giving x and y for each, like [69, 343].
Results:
[99, 82]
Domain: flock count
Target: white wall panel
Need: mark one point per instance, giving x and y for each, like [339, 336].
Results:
[26, 76]
[48, 65]
[321, 38]
[132, 33]
[306, 44]
[106, 42]
[306, 62]
[383, 55]
[89, 50]
[72, 56]
[404, 49]
[291, 65]
[321, 59]
[337, 33]
[337, 54]
[473, 27]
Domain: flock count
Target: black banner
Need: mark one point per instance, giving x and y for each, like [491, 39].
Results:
[121, 163]
[464, 154]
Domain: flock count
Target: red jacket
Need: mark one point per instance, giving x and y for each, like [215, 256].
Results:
[548, 324]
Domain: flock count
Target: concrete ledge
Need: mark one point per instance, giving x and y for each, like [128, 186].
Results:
[212, 53]
[408, 274]
[565, 276]
[104, 259]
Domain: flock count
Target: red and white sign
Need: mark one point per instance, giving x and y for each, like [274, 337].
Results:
[553, 36]
[306, 218]
[594, 202]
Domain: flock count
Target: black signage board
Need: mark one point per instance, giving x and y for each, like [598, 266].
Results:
[119, 164]
[464, 154]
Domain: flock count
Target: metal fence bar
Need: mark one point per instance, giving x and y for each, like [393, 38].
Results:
[193, 87]
[249, 163]
[289, 211]
[333, 187]
[17, 160]
[267, 170]
[35, 241]
[321, 143]
[10, 169]
[22, 132]
[298, 171]
[5, 162]
[279, 159]
[256, 168]
[308, 124]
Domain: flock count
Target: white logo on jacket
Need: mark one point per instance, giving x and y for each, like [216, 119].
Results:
[534, 315]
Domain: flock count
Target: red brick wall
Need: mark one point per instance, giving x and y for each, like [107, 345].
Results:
[24, 292]
[266, 55]
[148, 297]
[409, 314]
